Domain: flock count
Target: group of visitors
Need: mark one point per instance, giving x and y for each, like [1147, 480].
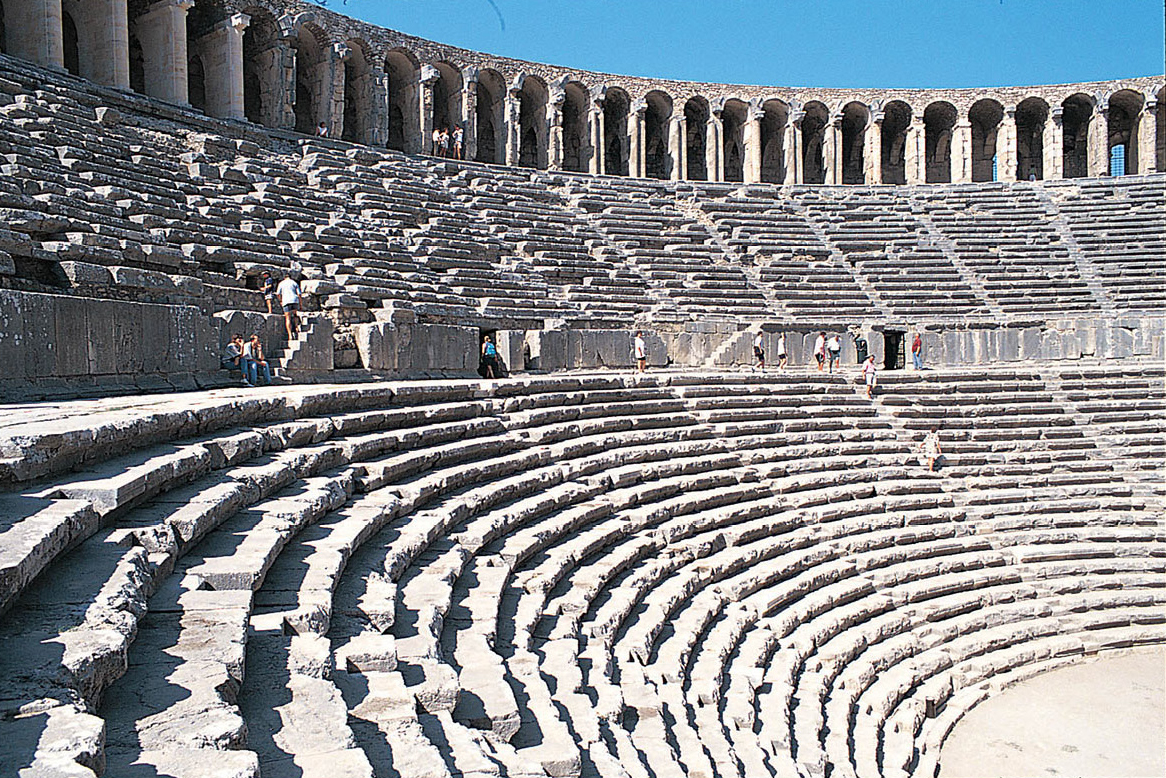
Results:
[288, 293]
[759, 351]
[449, 144]
[247, 357]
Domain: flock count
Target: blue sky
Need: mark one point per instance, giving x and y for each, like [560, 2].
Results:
[844, 43]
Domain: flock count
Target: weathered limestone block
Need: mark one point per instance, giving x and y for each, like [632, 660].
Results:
[405, 347]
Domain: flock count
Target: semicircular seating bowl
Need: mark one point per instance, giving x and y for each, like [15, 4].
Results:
[602, 575]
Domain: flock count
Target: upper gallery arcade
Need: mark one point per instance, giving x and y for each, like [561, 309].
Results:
[292, 66]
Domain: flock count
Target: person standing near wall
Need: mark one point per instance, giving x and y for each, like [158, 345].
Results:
[870, 375]
[459, 136]
[640, 349]
[759, 351]
[820, 350]
[267, 286]
[834, 348]
[781, 353]
[490, 357]
[917, 351]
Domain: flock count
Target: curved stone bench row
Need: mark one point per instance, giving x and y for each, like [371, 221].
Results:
[528, 576]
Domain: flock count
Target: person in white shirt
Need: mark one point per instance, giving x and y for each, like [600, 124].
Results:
[781, 353]
[641, 350]
[759, 351]
[834, 350]
[256, 363]
[820, 351]
[869, 372]
[289, 297]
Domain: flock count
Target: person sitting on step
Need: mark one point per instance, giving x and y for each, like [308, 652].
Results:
[255, 361]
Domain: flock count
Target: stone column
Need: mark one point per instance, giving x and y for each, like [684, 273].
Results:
[1147, 129]
[915, 159]
[222, 66]
[1006, 147]
[714, 149]
[470, 107]
[637, 156]
[961, 152]
[598, 161]
[34, 32]
[872, 149]
[753, 150]
[832, 150]
[1097, 141]
[378, 106]
[678, 147]
[103, 42]
[331, 103]
[555, 142]
[513, 126]
[429, 77]
[793, 149]
[1052, 140]
[162, 32]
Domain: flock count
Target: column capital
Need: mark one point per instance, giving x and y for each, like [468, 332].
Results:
[795, 118]
[755, 114]
[469, 76]
[1056, 112]
[640, 106]
[598, 95]
[429, 74]
[165, 5]
[876, 117]
[963, 124]
[1010, 112]
[236, 22]
[342, 51]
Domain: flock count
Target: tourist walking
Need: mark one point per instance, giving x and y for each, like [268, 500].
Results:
[781, 354]
[917, 351]
[640, 348]
[759, 351]
[834, 349]
[820, 350]
[289, 297]
[267, 286]
[870, 375]
[489, 357]
[459, 137]
[931, 449]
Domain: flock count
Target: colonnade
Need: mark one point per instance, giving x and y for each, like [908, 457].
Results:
[286, 73]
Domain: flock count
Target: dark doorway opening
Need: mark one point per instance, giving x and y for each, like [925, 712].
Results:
[894, 350]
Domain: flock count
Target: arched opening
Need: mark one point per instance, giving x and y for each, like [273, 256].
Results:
[490, 91]
[137, 66]
[532, 123]
[938, 124]
[855, 118]
[404, 116]
[196, 83]
[775, 117]
[1076, 113]
[896, 122]
[813, 134]
[1160, 151]
[1031, 115]
[309, 89]
[985, 117]
[447, 99]
[615, 132]
[733, 117]
[262, 70]
[3, 39]
[1125, 109]
[71, 43]
[696, 116]
[574, 125]
[358, 83]
[657, 160]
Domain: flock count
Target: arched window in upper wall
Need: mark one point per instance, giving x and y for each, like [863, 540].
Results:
[896, 122]
[1031, 115]
[657, 118]
[696, 116]
[985, 117]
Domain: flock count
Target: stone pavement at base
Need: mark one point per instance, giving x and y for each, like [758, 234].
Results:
[1103, 719]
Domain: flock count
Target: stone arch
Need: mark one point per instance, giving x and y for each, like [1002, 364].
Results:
[99, 39]
[985, 117]
[1160, 133]
[263, 69]
[403, 72]
[657, 159]
[309, 48]
[196, 82]
[939, 120]
[200, 21]
[896, 121]
[615, 132]
[733, 117]
[137, 60]
[491, 91]
[1076, 114]
[696, 116]
[1032, 115]
[574, 124]
[71, 42]
[532, 123]
[813, 135]
[359, 92]
[447, 98]
[1123, 120]
[775, 117]
[855, 119]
